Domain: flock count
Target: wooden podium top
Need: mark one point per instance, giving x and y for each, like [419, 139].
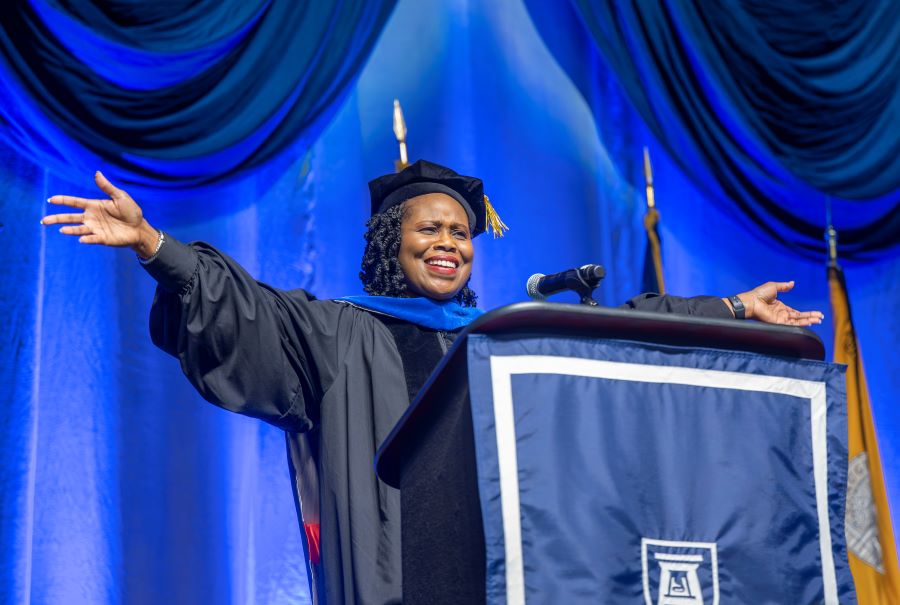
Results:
[555, 319]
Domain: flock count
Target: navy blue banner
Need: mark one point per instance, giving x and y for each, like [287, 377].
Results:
[619, 472]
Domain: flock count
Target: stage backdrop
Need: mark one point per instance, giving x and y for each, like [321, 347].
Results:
[120, 485]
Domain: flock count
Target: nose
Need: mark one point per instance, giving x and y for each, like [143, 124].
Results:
[445, 241]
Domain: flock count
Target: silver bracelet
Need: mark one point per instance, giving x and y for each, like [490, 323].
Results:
[159, 242]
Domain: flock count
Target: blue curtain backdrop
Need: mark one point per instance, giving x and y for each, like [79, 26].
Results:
[119, 484]
[177, 94]
[770, 106]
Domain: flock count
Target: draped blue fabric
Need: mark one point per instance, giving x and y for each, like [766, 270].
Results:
[118, 483]
[177, 94]
[770, 106]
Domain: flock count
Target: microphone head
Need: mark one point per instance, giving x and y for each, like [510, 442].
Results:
[532, 287]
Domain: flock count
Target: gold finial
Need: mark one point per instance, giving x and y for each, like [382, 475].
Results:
[492, 219]
[648, 177]
[830, 234]
[400, 133]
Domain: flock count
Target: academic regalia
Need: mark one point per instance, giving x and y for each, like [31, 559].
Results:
[335, 375]
[327, 372]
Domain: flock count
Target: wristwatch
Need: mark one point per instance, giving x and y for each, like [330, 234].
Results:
[738, 305]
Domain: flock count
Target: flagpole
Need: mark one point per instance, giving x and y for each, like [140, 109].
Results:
[651, 221]
[871, 548]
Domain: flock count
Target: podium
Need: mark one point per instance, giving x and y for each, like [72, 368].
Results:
[564, 454]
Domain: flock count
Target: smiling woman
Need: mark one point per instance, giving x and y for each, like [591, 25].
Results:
[336, 375]
[435, 246]
[419, 241]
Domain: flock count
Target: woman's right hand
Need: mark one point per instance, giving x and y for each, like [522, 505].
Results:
[117, 221]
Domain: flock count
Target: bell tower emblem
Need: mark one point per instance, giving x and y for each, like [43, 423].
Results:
[680, 573]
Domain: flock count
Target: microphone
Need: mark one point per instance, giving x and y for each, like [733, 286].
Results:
[583, 279]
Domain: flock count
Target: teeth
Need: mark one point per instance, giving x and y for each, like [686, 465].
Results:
[442, 263]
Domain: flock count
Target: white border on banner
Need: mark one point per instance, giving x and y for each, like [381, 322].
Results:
[503, 367]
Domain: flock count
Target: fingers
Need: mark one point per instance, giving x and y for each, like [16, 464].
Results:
[87, 236]
[76, 230]
[80, 202]
[810, 315]
[770, 290]
[804, 323]
[783, 286]
[104, 185]
[792, 317]
[812, 318]
[72, 202]
[55, 219]
[776, 312]
[808, 318]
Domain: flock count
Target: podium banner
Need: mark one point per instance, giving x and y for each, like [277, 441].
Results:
[621, 472]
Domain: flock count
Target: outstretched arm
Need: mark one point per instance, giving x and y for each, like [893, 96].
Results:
[245, 346]
[761, 303]
[116, 221]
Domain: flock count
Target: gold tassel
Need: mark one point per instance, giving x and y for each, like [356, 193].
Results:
[492, 219]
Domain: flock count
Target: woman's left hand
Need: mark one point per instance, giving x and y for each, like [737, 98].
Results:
[761, 303]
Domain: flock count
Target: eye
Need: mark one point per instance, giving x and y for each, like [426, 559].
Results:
[428, 229]
[460, 234]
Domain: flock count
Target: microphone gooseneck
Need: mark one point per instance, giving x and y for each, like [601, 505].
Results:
[581, 281]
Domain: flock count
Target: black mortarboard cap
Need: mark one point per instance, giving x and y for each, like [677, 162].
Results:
[427, 177]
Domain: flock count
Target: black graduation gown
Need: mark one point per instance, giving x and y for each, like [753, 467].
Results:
[332, 376]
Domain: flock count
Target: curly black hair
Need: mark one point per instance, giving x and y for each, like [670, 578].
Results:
[381, 273]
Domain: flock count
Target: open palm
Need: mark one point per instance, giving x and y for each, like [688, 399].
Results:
[762, 304]
[116, 221]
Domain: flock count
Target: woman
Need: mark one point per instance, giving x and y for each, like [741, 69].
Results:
[336, 375]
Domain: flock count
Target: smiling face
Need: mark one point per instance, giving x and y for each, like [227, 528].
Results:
[435, 246]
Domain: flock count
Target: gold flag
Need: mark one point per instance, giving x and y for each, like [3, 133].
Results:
[870, 538]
